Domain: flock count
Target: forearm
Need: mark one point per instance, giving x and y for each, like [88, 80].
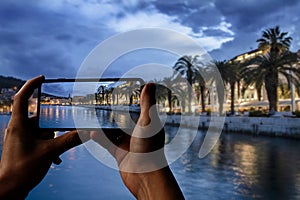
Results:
[160, 184]
[10, 190]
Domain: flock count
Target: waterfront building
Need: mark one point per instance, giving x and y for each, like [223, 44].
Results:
[6, 99]
[249, 97]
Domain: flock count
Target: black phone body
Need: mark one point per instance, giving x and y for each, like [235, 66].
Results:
[89, 103]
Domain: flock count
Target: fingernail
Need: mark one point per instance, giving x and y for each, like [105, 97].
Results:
[57, 161]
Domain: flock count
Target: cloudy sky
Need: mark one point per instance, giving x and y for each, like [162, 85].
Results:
[53, 37]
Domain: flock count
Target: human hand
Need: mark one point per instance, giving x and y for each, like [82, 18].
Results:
[140, 156]
[27, 151]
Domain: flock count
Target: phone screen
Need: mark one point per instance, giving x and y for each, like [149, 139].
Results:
[66, 104]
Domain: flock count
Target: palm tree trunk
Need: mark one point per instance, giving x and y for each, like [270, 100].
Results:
[271, 83]
[258, 92]
[170, 100]
[220, 95]
[232, 98]
[202, 93]
[189, 98]
[96, 98]
[190, 81]
[238, 90]
[131, 100]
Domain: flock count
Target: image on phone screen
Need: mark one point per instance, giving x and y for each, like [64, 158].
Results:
[65, 104]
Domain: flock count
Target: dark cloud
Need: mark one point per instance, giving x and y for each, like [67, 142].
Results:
[176, 8]
[215, 32]
[32, 63]
[247, 19]
[36, 40]
[38, 37]
[194, 14]
[62, 89]
[64, 37]
[11, 11]
[242, 43]
[9, 37]
[252, 15]
[250, 18]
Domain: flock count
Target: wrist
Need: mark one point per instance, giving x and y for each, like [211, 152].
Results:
[159, 184]
[10, 189]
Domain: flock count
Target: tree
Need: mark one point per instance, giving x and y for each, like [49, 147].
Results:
[101, 93]
[201, 88]
[230, 73]
[169, 89]
[108, 95]
[232, 79]
[130, 89]
[168, 83]
[273, 41]
[275, 45]
[189, 67]
[266, 69]
[116, 93]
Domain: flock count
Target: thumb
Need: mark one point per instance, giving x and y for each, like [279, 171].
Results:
[66, 141]
[149, 122]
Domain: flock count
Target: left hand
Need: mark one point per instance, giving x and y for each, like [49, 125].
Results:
[28, 152]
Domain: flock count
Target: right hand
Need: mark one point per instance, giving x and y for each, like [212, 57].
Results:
[140, 157]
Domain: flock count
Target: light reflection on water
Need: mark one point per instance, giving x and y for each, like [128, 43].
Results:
[239, 167]
[60, 116]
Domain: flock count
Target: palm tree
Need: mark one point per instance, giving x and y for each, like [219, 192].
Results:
[201, 88]
[116, 93]
[101, 93]
[108, 95]
[274, 41]
[232, 80]
[275, 45]
[162, 94]
[189, 67]
[168, 83]
[130, 90]
[230, 73]
[169, 89]
[266, 69]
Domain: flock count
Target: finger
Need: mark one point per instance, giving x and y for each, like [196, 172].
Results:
[147, 104]
[116, 142]
[111, 139]
[148, 135]
[45, 135]
[147, 97]
[57, 161]
[21, 98]
[65, 142]
[39, 133]
[149, 118]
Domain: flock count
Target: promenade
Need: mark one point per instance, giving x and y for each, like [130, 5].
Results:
[270, 126]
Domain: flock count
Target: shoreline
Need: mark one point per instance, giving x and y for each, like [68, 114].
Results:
[255, 126]
[134, 109]
[284, 127]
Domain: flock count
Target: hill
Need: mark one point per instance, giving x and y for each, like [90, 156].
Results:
[10, 82]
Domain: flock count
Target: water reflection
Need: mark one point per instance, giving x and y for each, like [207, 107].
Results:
[239, 167]
[83, 117]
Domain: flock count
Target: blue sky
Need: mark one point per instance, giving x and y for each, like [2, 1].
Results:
[52, 37]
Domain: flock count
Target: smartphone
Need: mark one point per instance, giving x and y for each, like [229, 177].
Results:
[68, 104]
